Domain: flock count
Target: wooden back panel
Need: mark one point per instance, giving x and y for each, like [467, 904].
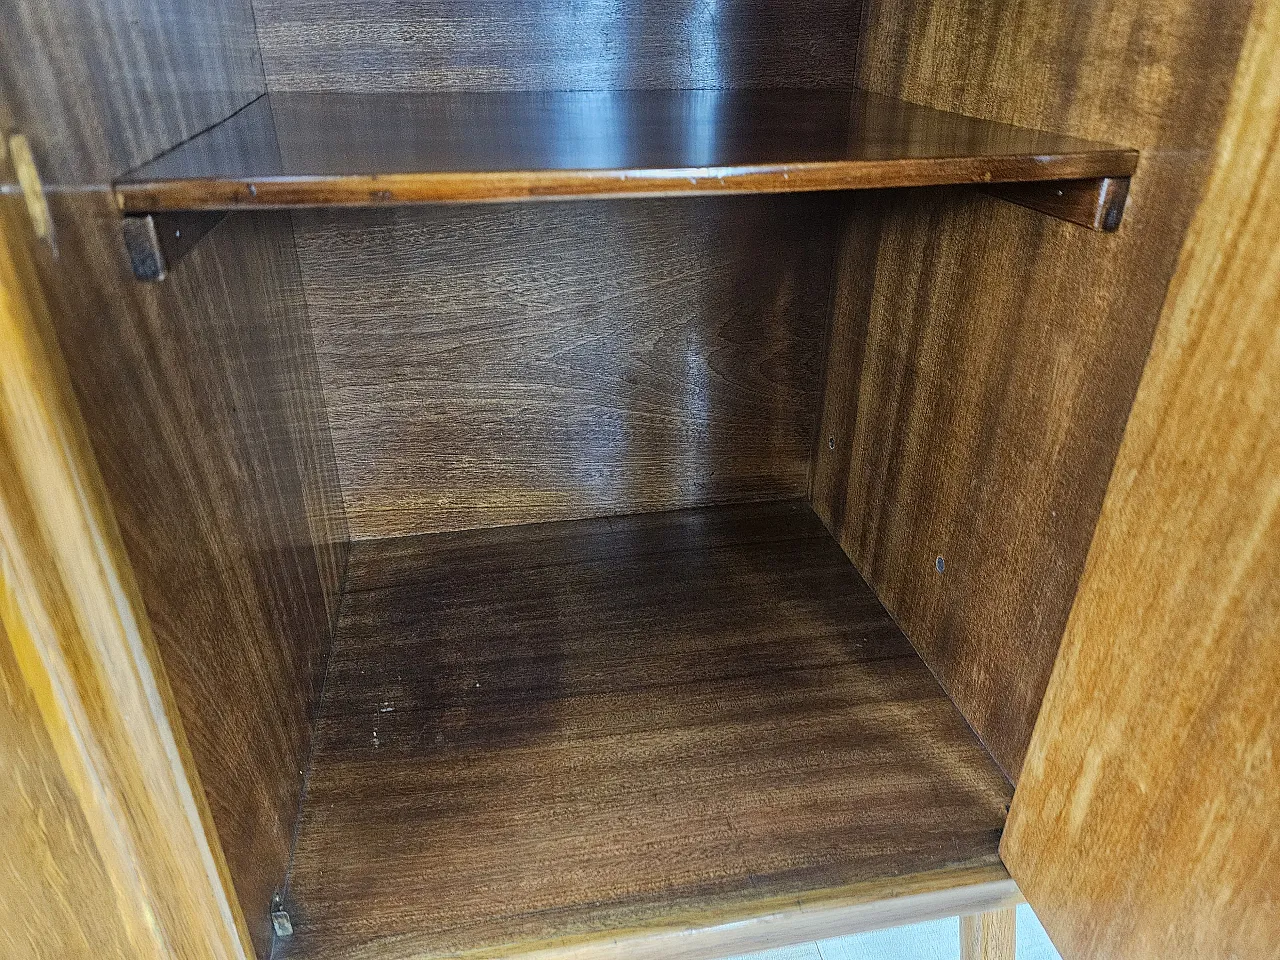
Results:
[1147, 822]
[984, 357]
[556, 44]
[496, 364]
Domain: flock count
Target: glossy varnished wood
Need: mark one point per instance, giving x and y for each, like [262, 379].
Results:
[496, 365]
[100, 88]
[1147, 821]
[556, 44]
[1097, 204]
[204, 408]
[110, 847]
[983, 356]
[558, 735]
[314, 149]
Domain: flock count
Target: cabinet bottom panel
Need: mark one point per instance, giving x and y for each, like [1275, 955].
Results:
[593, 736]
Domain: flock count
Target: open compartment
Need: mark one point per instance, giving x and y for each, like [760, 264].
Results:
[671, 567]
[567, 735]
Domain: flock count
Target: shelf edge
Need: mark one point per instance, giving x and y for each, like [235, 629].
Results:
[229, 193]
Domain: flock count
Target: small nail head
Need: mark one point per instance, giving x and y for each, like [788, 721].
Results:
[940, 564]
[831, 443]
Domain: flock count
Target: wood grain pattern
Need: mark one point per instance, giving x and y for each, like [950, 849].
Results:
[1147, 822]
[335, 149]
[1097, 204]
[999, 350]
[56, 898]
[992, 935]
[917, 898]
[545, 736]
[123, 803]
[498, 365]
[204, 408]
[556, 44]
[101, 87]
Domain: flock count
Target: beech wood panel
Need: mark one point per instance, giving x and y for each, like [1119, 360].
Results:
[556, 44]
[556, 734]
[495, 365]
[1147, 822]
[989, 936]
[372, 149]
[998, 350]
[56, 899]
[100, 87]
[110, 848]
[205, 410]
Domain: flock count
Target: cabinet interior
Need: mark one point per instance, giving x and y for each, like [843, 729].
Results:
[687, 548]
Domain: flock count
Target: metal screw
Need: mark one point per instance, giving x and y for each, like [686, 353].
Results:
[177, 234]
[940, 564]
[831, 443]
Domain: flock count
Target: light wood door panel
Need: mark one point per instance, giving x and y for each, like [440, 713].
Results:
[105, 830]
[1147, 820]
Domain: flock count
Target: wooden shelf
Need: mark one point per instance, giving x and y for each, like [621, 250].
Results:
[309, 149]
[576, 733]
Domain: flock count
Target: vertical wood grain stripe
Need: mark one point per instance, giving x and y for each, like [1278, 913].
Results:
[983, 363]
[80, 636]
[1147, 822]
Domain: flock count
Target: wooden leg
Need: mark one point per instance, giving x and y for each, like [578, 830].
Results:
[988, 936]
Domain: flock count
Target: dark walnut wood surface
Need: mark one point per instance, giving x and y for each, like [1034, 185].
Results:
[302, 149]
[202, 402]
[983, 357]
[550, 45]
[500, 364]
[534, 737]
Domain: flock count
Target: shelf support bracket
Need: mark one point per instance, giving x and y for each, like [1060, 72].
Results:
[1097, 203]
[157, 241]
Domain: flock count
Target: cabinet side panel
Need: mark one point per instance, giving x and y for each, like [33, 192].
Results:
[494, 365]
[556, 44]
[998, 349]
[204, 408]
[1147, 822]
[100, 87]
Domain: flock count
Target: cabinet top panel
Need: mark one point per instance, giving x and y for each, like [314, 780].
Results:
[368, 149]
